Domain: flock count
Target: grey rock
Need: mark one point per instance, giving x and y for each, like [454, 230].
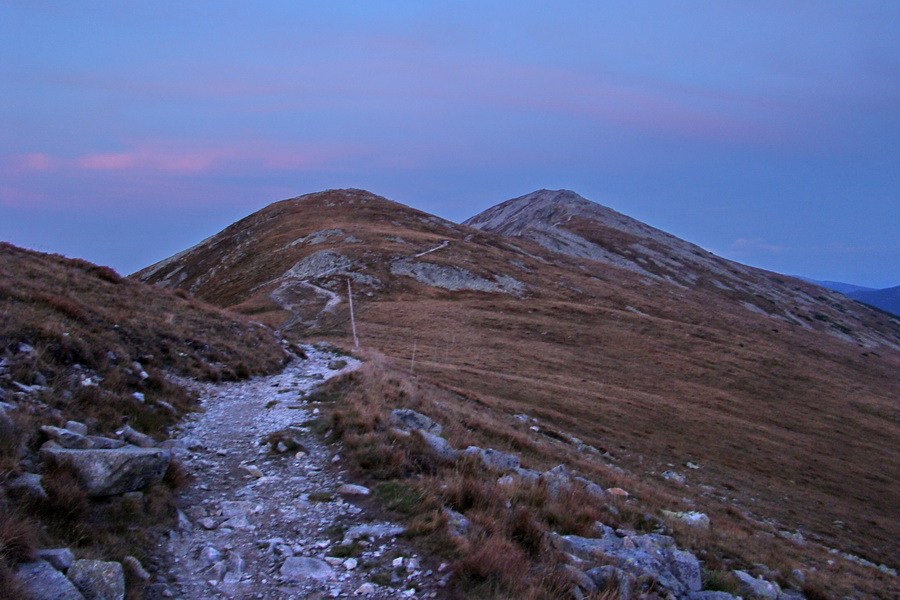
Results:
[111, 472]
[105, 443]
[60, 558]
[133, 436]
[349, 489]
[692, 518]
[610, 578]
[558, 479]
[415, 421]
[236, 508]
[712, 596]
[235, 568]
[42, 582]
[652, 555]
[209, 556]
[191, 444]
[686, 569]
[438, 445]
[457, 523]
[374, 531]
[791, 595]
[595, 490]
[529, 475]
[673, 476]
[494, 459]
[76, 427]
[207, 523]
[583, 586]
[67, 438]
[299, 568]
[27, 485]
[98, 580]
[752, 587]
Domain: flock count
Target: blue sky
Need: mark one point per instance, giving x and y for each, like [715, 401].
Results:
[767, 132]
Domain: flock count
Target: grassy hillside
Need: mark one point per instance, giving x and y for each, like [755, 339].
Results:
[789, 409]
[78, 342]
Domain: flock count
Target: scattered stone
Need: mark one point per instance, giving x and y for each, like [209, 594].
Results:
[350, 564]
[299, 568]
[207, 523]
[374, 531]
[105, 443]
[673, 476]
[60, 558]
[190, 444]
[349, 489]
[494, 459]
[411, 420]
[67, 438]
[618, 492]
[209, 556]
[558, 479]
[751, 587]
[111, 472]
[76, 427]
[457, 523]
[691, 465]
[366, 589]
[693, 518]
[397, 562]
[253, 471]
[438, 445]
[27, 485]
[43, 582]
[98, 580]
[132, 436]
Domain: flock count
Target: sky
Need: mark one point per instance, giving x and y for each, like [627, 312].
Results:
[767, 132]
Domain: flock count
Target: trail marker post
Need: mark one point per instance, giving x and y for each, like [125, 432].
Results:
[352, 316]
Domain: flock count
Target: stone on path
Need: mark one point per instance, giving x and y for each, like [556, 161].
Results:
[298, 568]
[349, 489]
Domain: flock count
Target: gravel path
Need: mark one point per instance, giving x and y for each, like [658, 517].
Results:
[263, 522]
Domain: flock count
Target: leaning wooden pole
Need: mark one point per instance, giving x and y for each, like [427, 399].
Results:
[352, 316]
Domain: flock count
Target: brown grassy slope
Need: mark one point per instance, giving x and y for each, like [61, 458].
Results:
[791, 423]
[510, 519]
[64, 322]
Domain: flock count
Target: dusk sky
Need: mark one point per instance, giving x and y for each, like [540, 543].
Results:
[765, 131]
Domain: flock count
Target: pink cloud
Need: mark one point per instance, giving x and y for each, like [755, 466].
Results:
[178, 157]
[24, 163]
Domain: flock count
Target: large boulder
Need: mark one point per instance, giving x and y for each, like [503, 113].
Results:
[651, 555]
[112, 472]
[43, 582]
[98, 580]
[411, 420]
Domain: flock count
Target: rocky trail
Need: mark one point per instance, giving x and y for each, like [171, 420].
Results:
[280, 519]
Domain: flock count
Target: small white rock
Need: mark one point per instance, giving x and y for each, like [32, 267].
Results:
[398, 562]
[350, 564]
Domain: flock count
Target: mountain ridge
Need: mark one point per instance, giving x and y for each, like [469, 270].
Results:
[660, 368]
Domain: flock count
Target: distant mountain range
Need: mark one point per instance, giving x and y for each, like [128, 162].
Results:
[887, 299]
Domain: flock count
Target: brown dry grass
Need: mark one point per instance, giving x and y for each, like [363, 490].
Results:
[513, 519]
[792, 426]
[85, 321]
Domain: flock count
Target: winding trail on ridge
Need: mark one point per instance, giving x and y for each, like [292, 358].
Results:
[258, 523]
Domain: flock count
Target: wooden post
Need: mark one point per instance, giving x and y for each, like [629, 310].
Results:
[412, 366]
[352, 317]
